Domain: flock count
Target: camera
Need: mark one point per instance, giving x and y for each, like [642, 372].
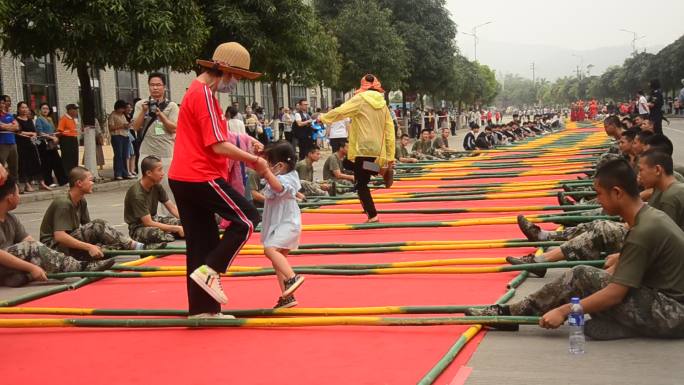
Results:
[153, 106]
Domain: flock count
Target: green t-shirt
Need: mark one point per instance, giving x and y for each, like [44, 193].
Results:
[254, 184]
[11, 231]
[331, 164]
[652, 255]
[671, 202]
[139, 202]
[304, 170]
[63, 215]
[440, 142]
[400, 152]
[678, 176]
[421, 147]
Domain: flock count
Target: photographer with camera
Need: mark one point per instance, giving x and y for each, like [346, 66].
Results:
[155, 121]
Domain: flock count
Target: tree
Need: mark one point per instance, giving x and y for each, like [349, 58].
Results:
[430, 34]
[140, 35]
[369, 44]
[284, 37]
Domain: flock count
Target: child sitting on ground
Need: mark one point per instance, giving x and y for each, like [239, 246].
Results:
[282, 223]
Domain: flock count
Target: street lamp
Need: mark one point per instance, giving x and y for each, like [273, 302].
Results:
[474, 35]
[635, 37]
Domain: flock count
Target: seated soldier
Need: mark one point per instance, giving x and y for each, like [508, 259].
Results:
[656, 172]
[641, 291]
[67, 226]
[22, 259]
[440, 145]
[401, 153]
[625, 144]
[340, 180]
[305, 170]
[140, 207]
[422, 148]
[587, 240]
[254, 187]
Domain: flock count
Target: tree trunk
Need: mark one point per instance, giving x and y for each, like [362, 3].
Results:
[86, 93]
[274, 95]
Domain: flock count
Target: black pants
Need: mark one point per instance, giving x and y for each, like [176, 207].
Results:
[51, 163]
[69, 146]
[197, 203]
[657, 124]
[361, 179]
[304, 144]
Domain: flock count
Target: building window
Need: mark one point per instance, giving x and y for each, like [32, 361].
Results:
[297, 93]
[126, 86]
[39, 82]
[267, 98]
[244, 94]
[94, 75]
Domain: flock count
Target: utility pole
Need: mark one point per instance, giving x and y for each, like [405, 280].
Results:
[533, 75]
[635, 37]
[474, 35]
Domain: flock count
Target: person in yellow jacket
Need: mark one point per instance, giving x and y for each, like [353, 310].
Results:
[371, 138]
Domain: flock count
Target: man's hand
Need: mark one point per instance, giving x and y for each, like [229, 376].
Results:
[38, 274]
[179, 230]
[95, 251]
[554, 318]
[145, 106]
[257, 146]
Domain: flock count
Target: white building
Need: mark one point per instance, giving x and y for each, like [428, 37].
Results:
[38, 80]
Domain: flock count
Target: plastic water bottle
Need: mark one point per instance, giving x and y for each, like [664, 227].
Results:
[576, 322]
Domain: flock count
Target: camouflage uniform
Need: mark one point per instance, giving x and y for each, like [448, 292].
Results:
[342, 186]
[587, 240]
[643, 311]
[149, 235]
[312, 189]
[97, 232]
[38, 254]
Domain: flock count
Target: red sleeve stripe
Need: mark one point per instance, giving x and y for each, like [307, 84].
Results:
[212, 114]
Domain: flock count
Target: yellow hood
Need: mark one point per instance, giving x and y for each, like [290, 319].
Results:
[375, 99]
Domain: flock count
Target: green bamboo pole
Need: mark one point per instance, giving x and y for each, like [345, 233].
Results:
[35, 295]
[266, 322]
[345, 272]
[343, 250]
[444, 362]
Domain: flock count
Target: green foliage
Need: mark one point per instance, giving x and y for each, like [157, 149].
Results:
[142, 35]
[369, 44]
[285, 39]
[429, 33]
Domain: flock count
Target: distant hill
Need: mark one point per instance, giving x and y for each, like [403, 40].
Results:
[550, 62]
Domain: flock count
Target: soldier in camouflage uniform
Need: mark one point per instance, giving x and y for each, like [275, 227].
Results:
[140, 207]
[22, 259]
[305, 170]
[336, 172]
[67, 227]
[641, 292]
[422, 149]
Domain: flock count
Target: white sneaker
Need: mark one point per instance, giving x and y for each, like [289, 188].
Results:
[211, 316]
[210, 281]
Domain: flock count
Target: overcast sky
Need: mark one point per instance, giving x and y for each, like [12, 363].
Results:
[576, 25]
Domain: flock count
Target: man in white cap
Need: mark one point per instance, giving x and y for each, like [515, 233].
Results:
[201, 183]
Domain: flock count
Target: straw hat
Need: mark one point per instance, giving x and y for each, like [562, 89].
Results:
[231, 57]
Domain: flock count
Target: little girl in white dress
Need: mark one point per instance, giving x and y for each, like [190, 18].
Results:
[282, 220]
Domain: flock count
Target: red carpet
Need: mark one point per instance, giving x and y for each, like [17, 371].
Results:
[312, 355]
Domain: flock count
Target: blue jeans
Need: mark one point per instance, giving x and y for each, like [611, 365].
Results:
[120, 146]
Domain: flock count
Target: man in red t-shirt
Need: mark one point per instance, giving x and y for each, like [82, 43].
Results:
[198, 177]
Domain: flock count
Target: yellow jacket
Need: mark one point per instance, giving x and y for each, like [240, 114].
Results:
[372, 130]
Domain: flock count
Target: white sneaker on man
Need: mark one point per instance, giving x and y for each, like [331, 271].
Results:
[210, 281]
